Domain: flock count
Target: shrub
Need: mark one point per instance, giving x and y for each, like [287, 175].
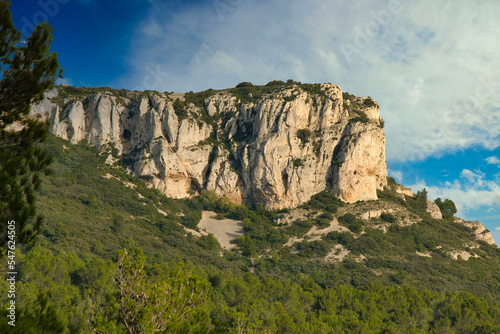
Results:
[361, 118]
[348, 218]
[275, 83]
[369, 102]
[304, 135]
[388, 217]
[343, 238]
[314, 248]
[351, 222]
[208, 242]
[324, 219]
[324, 200]
[180, 109]
[244, 84]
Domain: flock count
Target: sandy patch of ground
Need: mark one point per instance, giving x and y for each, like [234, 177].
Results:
[360, 258]
[334, 226]
[193, 232]
[162, 212]
[292, 216]
[293, 240]
[464, 255]
[338, 253]
[223, 230]
[127, 184]
[425, 254]
[316, 233]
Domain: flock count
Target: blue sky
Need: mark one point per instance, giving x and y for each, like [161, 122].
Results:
[433, 66]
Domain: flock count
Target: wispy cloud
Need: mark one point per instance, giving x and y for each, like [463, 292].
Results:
[397, 175]
[493, 160]
[432, 65]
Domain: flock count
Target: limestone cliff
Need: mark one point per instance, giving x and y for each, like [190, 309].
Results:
[276, 145]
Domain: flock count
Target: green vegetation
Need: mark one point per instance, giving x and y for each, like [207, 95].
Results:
[248, 94]
[142, 305]
[180, 109]
[244, 84]
[28, 71]
[355, 106]
[275, 83]
[298, 162]
[388, 217]
[304, 135]
[70, 281]
[198, 99]
[368, 102]
[324, 200]
[447, 207]
[351, 222]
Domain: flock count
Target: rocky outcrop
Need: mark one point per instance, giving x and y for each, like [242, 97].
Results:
[278, 149]
[433, 210]
[404, 191]
[479, 230]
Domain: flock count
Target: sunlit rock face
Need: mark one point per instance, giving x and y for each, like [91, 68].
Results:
[278, 149]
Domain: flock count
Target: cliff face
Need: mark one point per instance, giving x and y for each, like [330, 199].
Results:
[276, 146]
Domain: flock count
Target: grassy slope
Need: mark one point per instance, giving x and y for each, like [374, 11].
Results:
[88, 213]
[90, 217]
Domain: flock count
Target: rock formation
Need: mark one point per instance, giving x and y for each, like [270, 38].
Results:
[272, 145]
[479, 230]
[433, 210]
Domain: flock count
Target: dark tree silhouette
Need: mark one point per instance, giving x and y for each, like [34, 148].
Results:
[28, 70]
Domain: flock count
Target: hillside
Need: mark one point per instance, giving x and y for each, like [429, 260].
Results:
[399, 243]
[94, 209]
[393, 263]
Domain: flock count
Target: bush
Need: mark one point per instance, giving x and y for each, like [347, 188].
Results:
[314, 248]
[244, 84]
[388, 217]
[304, 135]
[275, 83]
[324, 219]
[324, 200]
[347, 219]
[369, 102]
[300, 227]
[180, 109]
[208, 242]
[351, 222]
[343, 238]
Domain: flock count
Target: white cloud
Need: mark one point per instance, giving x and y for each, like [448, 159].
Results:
[493, 160]
[473, 177]
[152, 29]
[472, 191]
[433, 68]
[396, 174]
[497, 228]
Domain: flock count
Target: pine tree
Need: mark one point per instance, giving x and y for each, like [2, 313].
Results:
[28, 70]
